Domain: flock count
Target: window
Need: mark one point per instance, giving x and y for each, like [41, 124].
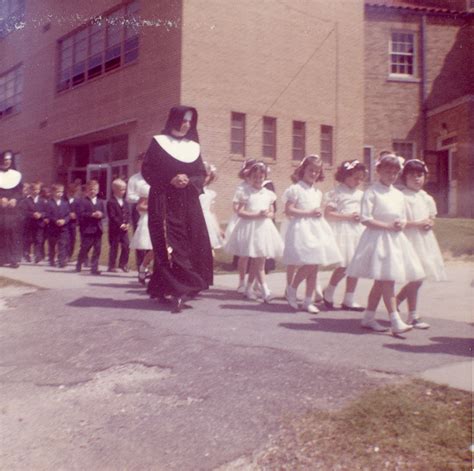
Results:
[11, 85]
[369, 161]
[12, 13]
[326, 144]
[299, 140]
[402, 54]
[404, 149]
[108, 42]
[269, 137]
[237, 133]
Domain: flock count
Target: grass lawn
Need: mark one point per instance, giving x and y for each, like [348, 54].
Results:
[415, 426]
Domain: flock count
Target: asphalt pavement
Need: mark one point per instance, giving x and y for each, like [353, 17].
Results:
[95, 375]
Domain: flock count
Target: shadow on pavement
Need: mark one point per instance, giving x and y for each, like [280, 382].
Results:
[248, 305]
[338, 326]
[134, 304]
[449, 345]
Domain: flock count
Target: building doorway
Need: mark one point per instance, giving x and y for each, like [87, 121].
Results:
[437, 184]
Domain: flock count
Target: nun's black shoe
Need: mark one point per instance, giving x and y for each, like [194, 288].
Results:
[352, 308]
[178, 304]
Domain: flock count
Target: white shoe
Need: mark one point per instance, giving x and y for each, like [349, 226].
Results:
[417, 323]
[251, 294]
[241, 288]
[257, 288]
[373, 325]
[269, 297]
[398, 326]
[291, 298]
[311, 308]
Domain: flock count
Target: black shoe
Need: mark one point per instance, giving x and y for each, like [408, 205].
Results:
[62, 265]
[352, 308]
[96, 272]
[112, 270]
[27, 258]
[14, 265]
[125, 269]
[38, 260]
[328, 304]
[178, 303]
[78, 268]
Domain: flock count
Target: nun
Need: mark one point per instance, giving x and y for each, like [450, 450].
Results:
[175, 171]
[10, 212]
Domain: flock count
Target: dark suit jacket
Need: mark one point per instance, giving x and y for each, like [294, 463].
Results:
[88, 224]
[117, 215]
[55, 212]
[30, 207]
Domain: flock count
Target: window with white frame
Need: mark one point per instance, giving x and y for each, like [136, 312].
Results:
[11, 86]
[405, 149]
[237, 133]
[299, 140]
[106, 43]
[402, 54]
[269, 137]
[12, 14]
[326, 144]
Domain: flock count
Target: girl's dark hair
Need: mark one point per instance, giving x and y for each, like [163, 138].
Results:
[310, 159]
[257, 165]
[413, 166]
[348, 168]
[243, 172]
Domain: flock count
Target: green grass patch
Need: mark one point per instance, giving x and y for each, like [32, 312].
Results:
[455, 236]
[416, 426]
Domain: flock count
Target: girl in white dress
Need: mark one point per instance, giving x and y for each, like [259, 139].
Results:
[384, 254]
[255, 235]
[309, 241]
[421, 211]
[241, 263]
[342, 210]
[207, 200]
[141, 238]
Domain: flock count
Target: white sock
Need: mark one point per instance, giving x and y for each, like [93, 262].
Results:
[329, 293]
[308, 300]
[412, 315]
[265, 289]
[349, 299]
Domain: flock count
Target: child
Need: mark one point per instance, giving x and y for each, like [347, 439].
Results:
[343, 214]
[309, 240]
[72, 196]
[241, 264]
[255, 235]
[90, 222]
[384, 254]
[22, 205]
[58, 215]
[119, 218]
[35, 207]
[421, 211]
[207, 199]
[141, 240]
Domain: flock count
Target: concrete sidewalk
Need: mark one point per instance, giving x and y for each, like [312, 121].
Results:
[94, 375]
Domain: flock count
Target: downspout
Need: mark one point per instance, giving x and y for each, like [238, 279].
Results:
[424, 88]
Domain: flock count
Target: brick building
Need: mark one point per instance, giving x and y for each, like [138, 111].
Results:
[84, 85]
[419, 91]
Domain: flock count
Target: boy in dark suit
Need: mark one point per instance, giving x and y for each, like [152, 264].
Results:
[92, 213]
[119, 218]
[73, 200]
[58, 216]
[35, 209]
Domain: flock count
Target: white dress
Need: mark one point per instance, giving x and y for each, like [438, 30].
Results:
[308, 240]
[383, 254]
[207, 200]
[255, 237]
[141, 238]
[345, 200]
[420, 205]
[234, 218]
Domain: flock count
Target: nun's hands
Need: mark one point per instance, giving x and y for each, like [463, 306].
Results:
[180, 181]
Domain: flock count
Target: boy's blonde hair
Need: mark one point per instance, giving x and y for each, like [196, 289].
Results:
[57, 186]
[119, 183]
[92, 183]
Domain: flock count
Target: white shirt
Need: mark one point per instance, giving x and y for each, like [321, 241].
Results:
[419, 205]
[343, 199]
[303, 196]
[133, 186]
[383, 203]
[120, 201]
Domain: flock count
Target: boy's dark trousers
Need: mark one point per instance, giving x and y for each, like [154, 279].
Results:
[58, 239]
[90, 241]
[117, 239]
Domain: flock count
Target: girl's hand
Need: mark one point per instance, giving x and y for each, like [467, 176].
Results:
[397, 225]
[428, 224]
[12, 203]
[356, 217]
[317, 213]
[264, 213]
[4, 202]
